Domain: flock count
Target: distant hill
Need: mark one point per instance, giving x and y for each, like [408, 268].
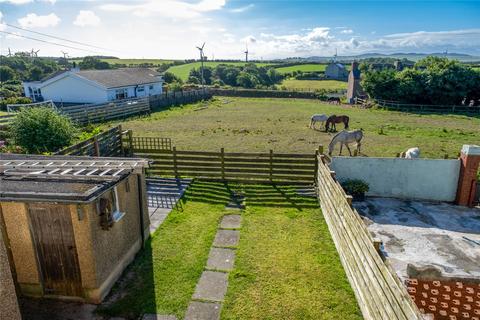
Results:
[410, 56]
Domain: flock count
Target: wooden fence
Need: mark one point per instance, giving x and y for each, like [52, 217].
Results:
[269, 167]
[105, 144]
[93, 113]
[379, 292]
[178, 97]
[256, 93]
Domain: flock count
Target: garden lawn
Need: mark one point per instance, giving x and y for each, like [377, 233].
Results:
[182, 71]
[261, 124]
[130, 61]
[312, 85]
[310, 67]
[287, 266]
[163, 277]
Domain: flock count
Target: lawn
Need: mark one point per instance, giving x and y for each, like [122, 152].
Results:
[132, 61]
[311, 85]
[286, 266]
[310, 67]
[261, 124]
[163, 278]
[183, 70]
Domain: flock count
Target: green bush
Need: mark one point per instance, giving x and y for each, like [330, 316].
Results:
[40, 130]
[14, 100]
[355, 186]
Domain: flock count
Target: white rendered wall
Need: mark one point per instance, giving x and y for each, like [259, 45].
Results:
[73, 89]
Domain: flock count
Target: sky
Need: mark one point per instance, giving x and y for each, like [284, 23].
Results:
[171, 29]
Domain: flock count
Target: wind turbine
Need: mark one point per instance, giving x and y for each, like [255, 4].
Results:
[36, 53]
[335, 56]
[65, 55]
[9, 52]
[246, 53]
[201, 60]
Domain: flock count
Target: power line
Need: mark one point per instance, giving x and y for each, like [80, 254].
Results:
[45, 41]
[55, 37]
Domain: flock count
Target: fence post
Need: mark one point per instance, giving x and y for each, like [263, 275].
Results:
[222, 159]
[130, 142]
[96, 147]
[271, 165]
[175, 169]
[315, 174]
[120, 137]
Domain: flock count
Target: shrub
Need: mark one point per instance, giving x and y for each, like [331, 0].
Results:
[40, 130]
[14, 100]
[355, 186]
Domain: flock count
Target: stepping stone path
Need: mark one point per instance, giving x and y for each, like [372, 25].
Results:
[210, 291]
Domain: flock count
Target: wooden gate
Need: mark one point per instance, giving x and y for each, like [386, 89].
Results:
[54, 240]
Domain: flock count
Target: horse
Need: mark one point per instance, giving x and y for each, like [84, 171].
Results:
[334, 119]
[345, 138]
[317, 118]
[412, 153]
[333, 100]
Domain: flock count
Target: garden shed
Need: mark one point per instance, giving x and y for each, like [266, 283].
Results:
[71, 224]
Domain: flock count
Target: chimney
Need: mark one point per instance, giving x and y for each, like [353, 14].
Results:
[467, 182]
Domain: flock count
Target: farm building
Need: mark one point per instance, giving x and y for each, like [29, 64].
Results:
[95, 86]
[71, 224]
[337, 71]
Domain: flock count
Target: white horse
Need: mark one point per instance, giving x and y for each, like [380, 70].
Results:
[317, 118]
[345, 138]
[412, 153]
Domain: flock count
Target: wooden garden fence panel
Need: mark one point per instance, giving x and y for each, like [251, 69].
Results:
[396, 106]
[281, 168]
[379, 291]
[105, 144]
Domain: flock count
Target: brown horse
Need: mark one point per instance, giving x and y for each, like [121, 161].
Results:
[332, 120]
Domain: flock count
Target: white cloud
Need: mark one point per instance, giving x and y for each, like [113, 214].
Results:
[32, 20]
[86, 18]
[243, 9]
[18, 2]
[347, 31]
[167, 8]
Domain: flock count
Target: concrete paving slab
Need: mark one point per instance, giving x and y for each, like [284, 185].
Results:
[203, 311]
[221, 259]
[226, 238]
[231, 221]
[158, 317]
[212, 286]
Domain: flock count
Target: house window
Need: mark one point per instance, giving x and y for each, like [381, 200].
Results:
[121, 94]
[141, 89]
[150, 87]
[117, 214]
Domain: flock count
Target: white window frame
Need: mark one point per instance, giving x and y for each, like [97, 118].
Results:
[141, 89]
[120, 91]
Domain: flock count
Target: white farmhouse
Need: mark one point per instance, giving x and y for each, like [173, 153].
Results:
[337, 71]
[95, 86]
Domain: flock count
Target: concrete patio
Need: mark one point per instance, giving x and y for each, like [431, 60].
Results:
[425, 234]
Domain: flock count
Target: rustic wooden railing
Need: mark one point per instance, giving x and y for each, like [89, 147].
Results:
[178, 97]
[410, 107]
[281, 168]
[83, 114]
[105, 144]
[379, 292]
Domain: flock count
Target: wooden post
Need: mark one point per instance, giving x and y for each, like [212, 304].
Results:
[320, 149]
[130, 142]
[96, 147]
[317, 159]
[271, 165]
[222, 160]
[175, 169]
[349, 199]
[120, 137]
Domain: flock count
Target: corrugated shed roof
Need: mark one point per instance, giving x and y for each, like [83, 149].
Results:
[114, 78]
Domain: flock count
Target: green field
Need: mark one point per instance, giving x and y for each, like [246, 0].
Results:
[183, 70]
[312, 67]
[312, 85]
[286, 265]
[261, 124]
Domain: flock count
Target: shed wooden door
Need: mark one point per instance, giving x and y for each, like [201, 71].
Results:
[55, 246]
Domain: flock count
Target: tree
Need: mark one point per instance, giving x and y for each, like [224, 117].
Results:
[35, 73]
[40, 130]
[6, 73]
[93, 63]
[170, 77]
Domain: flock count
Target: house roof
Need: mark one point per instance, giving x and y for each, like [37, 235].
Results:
[115, 78]
[61, 178]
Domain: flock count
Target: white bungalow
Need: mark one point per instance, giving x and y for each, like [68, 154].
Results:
[95, 86]
[337, 71]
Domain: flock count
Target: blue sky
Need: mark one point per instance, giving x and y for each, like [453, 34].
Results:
[271, 29]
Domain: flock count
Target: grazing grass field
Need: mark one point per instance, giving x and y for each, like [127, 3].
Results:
[183, 70]
[286, 266]
[293, 84]
[261, 124]
[311, 67]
